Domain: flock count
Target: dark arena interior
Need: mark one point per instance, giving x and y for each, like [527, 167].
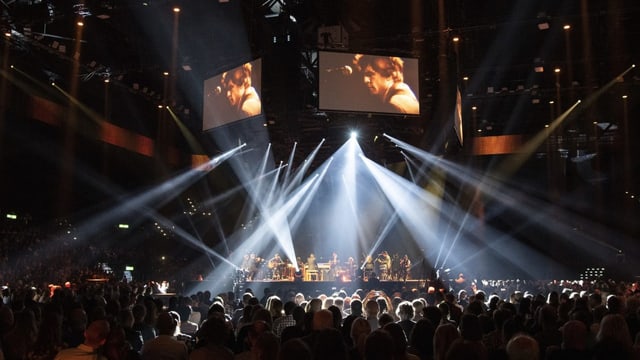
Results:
[320, 147]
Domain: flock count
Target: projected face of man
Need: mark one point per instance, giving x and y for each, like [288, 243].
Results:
[376, 82]
[234, 93]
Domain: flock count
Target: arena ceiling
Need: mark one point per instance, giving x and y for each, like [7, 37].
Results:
[501, 48]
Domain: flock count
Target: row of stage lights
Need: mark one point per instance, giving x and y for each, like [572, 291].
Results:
[592, 273]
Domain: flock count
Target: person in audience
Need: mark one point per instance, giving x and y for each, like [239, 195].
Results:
[214, 334]
[574, 343]
[49, 340]
[266, 347]
[404, 311]
[295, 349]
[328, 345]
[286, 320]
[117, 348]
[421, 339]
[73, 328]
[133, 337]
[17, 342]
[418, 305]
[613, 340]
[360, 329]
[548, 333]
[94, 337]
[256, 329]
[523, 347]
[165, 345]
[372, 310]
[378, 346]
[443, 337]
[147, 331]
[399, 342]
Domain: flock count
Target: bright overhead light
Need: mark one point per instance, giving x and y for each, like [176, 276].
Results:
[353, 134]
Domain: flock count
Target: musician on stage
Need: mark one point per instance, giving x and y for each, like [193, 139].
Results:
[312, 265]
[405, 268]
[351, 268]
[252, 267]
[275, 265]
[246, 264]
[300, 273]
[368, 267]
[384, 265]
[334, 266]
[395, 267]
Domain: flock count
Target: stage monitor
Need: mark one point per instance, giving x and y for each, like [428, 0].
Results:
[368, 83]
[232, 95]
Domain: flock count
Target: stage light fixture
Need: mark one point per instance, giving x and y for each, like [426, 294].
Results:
[353, 135]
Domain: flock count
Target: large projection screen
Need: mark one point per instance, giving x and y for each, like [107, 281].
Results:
[232, 95]
[368, 83]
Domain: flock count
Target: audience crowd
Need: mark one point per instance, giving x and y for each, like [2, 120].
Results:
[63, 306]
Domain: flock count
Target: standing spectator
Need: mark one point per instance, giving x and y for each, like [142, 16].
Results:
[404, 311]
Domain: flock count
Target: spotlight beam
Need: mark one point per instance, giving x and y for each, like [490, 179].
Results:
[159, 195]
[191, 140]
[291, 156]
[553, 219]
[299, 175]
